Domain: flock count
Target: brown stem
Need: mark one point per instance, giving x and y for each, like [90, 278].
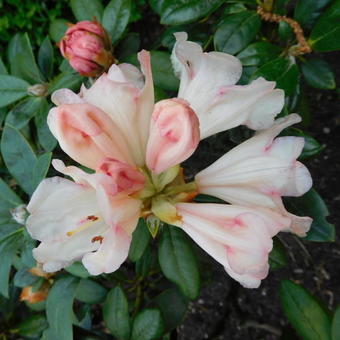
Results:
[303, 46]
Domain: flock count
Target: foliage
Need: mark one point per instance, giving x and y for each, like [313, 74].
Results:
[147, 298]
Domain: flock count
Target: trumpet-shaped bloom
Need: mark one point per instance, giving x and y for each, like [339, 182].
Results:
[207, 82]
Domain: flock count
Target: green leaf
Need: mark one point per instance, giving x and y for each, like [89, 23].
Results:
[307, 11]
[130, 45]
[140, 240]
[157, 5]
[46, 58]
[236, 31]
[21, 114]
[311, 204]
[162, 71]
[116, 313]
[3, 69]
[41, 168]
[318, 74]
[258, 53]
[32, 326]
[57, 29]
[59, 309]
[87, 10]
[23, 278]
[77, 269]
[8, 248]
[277, 257]
[145, 263]
[285, 32]
[90, 291]
[336, 324]
[281, 70]
[147, 325]
[71, 81]
[12, 89]
[177, 12]
[178, 261]
[45, 137]
[304, 312]
[116, 17]
[7, 194]
[19, 157]
[325, 34]
[173, 306]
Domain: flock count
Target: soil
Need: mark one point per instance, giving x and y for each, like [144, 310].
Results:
[225, 310]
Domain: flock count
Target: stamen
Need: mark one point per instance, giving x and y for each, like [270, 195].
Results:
[84, 225]
[98, 238]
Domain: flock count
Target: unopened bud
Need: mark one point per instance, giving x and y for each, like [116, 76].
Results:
[19, 214]
[38, 90]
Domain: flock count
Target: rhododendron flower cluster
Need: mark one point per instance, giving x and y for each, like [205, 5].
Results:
[134, 147]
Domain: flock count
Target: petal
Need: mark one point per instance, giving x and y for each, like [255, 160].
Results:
[111, 253]
[239, 238]
[259, 171]
[87, 134]
[174, 135]
[118, 94]
[66, 96]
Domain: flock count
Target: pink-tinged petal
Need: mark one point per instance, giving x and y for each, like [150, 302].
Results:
[126, 178]
[260, 171]
[208, 84]
[239, 238]
[174, 134]
[111, 254]
[87, 134]
[129, 104]
[66, 96]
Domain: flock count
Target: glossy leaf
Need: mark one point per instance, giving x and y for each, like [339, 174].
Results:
[236, 31]
[325, 34]
[277, 257]
[71, 81]
[336, 324]
[283, 71]
[77, 269]
[116, 17]
[116, 313]
[57, 29]
[318, 74]
[59, 309]
[140, 240]
[87, 10]
[162, 71]
[258, 53]
[32, 326]
[177, 12]
[311, 204]
[144, 264]
[147, 325]
[178, 261]
[12, 89]
[304, 312]
[173, 306]
[45, 58]
[90, 291]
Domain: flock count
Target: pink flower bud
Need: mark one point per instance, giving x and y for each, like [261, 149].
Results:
[174, 134]
[87, 47]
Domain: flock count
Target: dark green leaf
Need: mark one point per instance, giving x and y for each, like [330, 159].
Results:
[177, 12]
[144, 264]
[77, 269]
[277, 257]
[163, 74]
[173, 306]
[140, 240]
[116, 314]
[32, 326]
[41, 168]
[65, 80]
[57, 29]
[19, 157]
[148, 325]
[336, 324]
[307, 11]
[283, 71]
[236, 31]
[318, 74]
[3, 69]
[87, 10]
[23, 278]
[116, 17]
[311, 204]
[304, 312]
[178, 261]
[130, 45]
[157, 5]
[11, 89]
[326, 32]
[7, 194]
[285, 31]
[258, 53]
[21, 114]
[234, 8]
[59, 309]
[45, 58]
[89, 291]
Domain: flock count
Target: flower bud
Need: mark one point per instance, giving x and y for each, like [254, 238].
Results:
[87, 47]
[174, 134]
